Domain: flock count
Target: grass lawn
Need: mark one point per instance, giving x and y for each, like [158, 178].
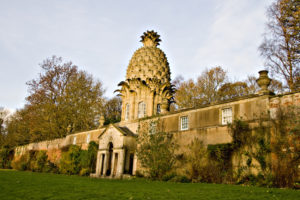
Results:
[29, 185]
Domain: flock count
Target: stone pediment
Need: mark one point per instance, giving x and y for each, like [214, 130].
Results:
[115, 130]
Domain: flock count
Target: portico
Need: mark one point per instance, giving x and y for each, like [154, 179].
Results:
[116, 154]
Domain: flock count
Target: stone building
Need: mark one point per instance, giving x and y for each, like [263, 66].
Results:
[146, 95]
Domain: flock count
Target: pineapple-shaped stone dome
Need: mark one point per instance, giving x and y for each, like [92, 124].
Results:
[149, 61]
[147, 90]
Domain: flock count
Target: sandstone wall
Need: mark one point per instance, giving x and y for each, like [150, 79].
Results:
[51, 145]
[205, 123]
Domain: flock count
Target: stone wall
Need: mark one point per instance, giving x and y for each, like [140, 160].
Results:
[204, 123]
[50, 145]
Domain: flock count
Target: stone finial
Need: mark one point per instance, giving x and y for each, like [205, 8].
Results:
[263, 82]
[101, 121]
[150, 39]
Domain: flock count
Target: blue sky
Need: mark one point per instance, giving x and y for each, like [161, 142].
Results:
[100, 37]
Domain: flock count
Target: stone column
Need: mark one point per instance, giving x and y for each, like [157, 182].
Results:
[112, 164]
[105, 162]
[134, 164]
[132, 107]
[150, 104]
[120, 168]
[99, 163]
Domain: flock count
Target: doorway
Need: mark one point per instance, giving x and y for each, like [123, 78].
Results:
[103, 158]
[110, 153]
[131, 158]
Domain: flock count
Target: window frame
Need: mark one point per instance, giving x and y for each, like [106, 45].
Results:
[184, 122]
[225, 117]
[141, 109]
[158, 108]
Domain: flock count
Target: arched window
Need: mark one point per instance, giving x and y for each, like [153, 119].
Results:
[127, 107]
[141, 110]
[158, 109]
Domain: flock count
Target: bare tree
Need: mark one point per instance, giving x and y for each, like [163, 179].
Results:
[281, 45]
[192, 93]
[253, 88]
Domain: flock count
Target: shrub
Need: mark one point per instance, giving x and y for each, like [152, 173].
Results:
[88, 158]
[168, 176]
[50, 167]
[139, 174]
[70, 161]
[180, 179]
[196, 158]
[285, 146]
[77, 161]
[211, 164]
[84, 172]
[36, 161]
[6, 156]
[92, 156]
[156, 150]
[22, 163]
[39, 161]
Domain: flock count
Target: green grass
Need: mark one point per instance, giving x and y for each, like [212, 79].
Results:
[29, 185]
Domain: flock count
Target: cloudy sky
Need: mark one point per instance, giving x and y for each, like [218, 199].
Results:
[100, 37]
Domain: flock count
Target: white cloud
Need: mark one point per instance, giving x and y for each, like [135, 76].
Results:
[101, 36]
[234, 38]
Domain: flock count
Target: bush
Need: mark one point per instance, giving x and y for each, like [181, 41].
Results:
[70, 161]
[6, 156]
[285, 146]
[39, 161]
[156, 150]
[22, 163]
[210, 165]
[84, 172]
[51, 167]
[36, 161]
[168, 176]
[180, 179]
[77, 161]
[92, 156]
[139, 174]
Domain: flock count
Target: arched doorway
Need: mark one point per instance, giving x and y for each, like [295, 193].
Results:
[110, 153]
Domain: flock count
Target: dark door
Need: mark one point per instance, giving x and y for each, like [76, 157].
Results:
[131, 158]
[110, 153]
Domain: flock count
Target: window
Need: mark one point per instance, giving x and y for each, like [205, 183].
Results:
[127, 107]
[88, 138]
[226, 116]
[141, 110]
[158, 109]
[184, 123]
[74, 140]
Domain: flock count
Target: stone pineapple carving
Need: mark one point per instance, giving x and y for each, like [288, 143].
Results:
[147, 78]
[150, 38]
[149, 61]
